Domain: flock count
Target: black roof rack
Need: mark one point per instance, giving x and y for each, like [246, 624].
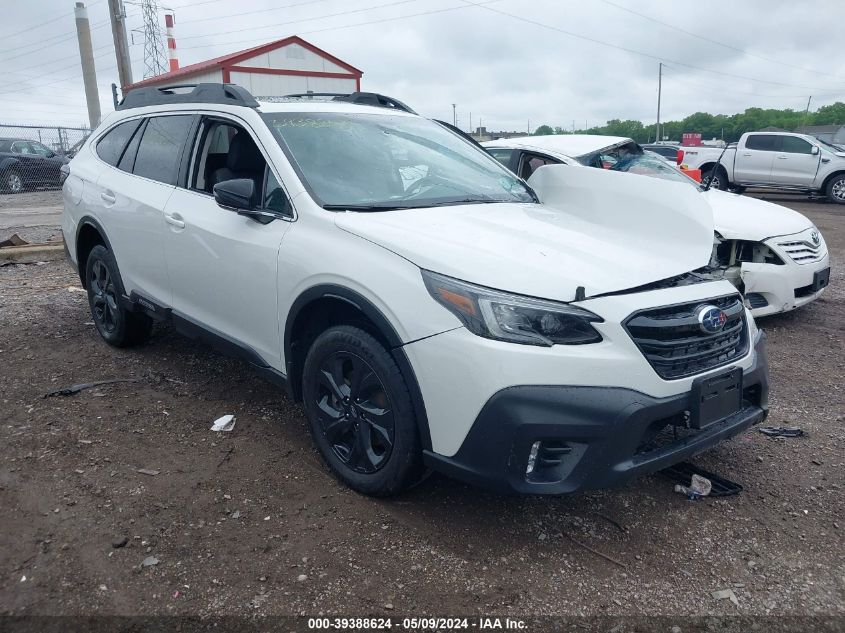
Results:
[359, 98]
[229, 94]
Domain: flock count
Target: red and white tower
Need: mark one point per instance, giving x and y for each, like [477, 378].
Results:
[171, 42]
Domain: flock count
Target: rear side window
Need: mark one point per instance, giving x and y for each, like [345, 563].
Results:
[502, 155]
[161, 148]
[764, 142]
[110, 147]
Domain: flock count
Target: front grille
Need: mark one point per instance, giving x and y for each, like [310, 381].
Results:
[756, 300]
[674, 344]
[802, 250]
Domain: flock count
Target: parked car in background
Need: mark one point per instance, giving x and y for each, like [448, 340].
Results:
[775, 256]
[428, 308]
[25, 164]
[773, 160]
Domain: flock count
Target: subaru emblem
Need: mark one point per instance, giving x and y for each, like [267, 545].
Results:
[816, 238]
[711, 319]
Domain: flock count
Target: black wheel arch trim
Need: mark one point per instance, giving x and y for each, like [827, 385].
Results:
[87, 220]
[8, 162]
[369, 310]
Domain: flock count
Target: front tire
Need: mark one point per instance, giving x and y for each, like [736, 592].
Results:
[117, 325]
[360, 412]
[836, 189]
[719, 177]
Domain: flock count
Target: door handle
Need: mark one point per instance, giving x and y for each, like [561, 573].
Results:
[782, 157]
[747, 154]
[174, 221]
[107, 197]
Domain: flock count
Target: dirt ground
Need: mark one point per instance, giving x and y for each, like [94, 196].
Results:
[250, 522]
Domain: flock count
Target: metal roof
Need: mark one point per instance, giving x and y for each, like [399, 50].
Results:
[224, 61]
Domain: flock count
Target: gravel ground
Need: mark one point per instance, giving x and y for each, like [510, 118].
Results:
[251, 523]
[33, 215]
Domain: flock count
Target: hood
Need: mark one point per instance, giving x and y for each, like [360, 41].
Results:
[605, 231]
[745, 218]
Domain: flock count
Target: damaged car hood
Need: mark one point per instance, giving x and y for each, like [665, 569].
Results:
[605, 231]
[744, 218]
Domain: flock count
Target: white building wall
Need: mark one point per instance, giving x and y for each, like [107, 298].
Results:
[277, 85]
[214, 76]
[293, 57]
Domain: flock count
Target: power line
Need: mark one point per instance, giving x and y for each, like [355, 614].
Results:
[712, 41]
[351, 26]
[721, 89]
[38, 25]
[237, 15]
[631, 50]
[39, 46]
[319, 17]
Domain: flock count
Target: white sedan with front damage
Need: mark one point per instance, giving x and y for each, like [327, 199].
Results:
[775, 256]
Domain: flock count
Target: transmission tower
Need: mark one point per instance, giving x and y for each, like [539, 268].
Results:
[155, 53]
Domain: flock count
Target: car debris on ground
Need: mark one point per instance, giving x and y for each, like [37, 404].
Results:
[74, 389]
[782, 431]
[224, 423]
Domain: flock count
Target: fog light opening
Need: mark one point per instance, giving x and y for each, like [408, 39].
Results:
[532, 458]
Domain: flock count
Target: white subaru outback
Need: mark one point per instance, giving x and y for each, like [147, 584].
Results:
[430, 309]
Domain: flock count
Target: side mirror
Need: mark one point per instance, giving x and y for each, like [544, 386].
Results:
[236, 195]
[815, 150]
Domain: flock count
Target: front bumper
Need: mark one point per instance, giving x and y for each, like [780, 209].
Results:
[773, 288]
[593, 437]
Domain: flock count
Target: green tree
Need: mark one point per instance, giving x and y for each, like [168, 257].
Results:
[544, 130]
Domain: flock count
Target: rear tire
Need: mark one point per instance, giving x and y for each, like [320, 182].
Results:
[12, 181]
[360, 412]
[836, 189]
[720, 178]
[117, 325]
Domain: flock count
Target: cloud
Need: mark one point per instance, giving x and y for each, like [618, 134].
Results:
[503, 70]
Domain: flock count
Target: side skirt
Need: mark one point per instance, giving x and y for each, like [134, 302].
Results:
[214, 339]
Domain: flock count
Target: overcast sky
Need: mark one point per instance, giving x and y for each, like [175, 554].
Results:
[507, 62]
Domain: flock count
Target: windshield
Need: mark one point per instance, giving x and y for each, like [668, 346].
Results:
[830, 146]
[630, 157]
[373, 162]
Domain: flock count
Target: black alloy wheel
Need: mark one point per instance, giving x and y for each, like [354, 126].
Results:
[360, 412]
[355, 412]
[104, 298]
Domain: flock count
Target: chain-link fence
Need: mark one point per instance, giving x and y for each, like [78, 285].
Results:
[31, 156]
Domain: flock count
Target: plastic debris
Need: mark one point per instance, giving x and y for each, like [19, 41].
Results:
[782, 431]
[683, 472]
[725, 594]
[699, 487]
[150, 561]
[225, 423]
[147, 471]
[74, 389]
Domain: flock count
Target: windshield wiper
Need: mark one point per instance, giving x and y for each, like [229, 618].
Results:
[446, 203]
[363, 207]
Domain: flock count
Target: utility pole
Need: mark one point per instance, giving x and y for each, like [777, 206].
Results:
[470, 123]
[121, 46]
[86, 55]
[807, 111]
[659, 91]
[455, 114]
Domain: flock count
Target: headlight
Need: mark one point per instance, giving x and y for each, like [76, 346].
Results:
[514, 318]
[64, 172]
